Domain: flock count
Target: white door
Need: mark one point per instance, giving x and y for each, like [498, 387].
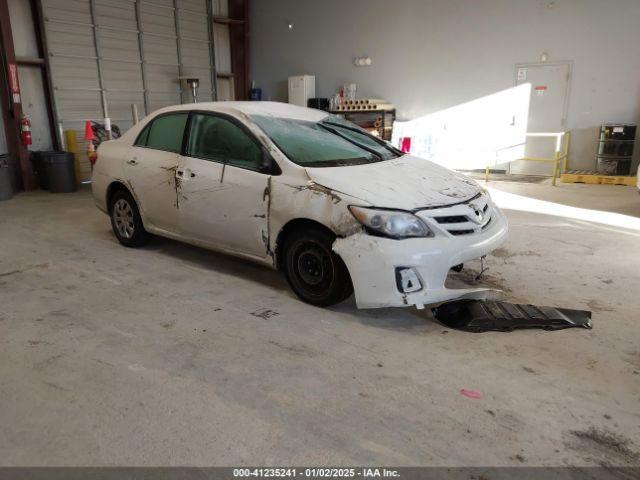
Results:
[222, 189]
[151, 168]
[547, 112]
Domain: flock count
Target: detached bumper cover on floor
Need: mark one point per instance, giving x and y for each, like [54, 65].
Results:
[372, 263]
[483, 316]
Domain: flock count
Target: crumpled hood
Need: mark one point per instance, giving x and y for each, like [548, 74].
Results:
[405, 183]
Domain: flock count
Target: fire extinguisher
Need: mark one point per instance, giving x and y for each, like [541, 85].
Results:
[25, 131]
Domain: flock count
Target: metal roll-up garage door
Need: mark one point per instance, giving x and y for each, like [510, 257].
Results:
[106, 55]
[195, 46]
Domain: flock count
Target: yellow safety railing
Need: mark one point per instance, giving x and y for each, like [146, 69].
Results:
[559, 154]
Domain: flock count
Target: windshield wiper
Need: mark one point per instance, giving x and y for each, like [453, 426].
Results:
[379, 141]
[337, 163]
[372, 151]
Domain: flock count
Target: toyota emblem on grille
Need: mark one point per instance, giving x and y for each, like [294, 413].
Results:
[478, 215]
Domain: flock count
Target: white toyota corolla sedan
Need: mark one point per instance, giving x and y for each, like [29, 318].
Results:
[335, 208]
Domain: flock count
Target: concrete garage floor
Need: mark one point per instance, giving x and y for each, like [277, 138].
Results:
[173, 355]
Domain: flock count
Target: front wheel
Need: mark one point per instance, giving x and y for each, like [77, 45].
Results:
[315, 273]
[126, 221]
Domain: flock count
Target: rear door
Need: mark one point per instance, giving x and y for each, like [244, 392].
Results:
[152, 167]
[223, 191]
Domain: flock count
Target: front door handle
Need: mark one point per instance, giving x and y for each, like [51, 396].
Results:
[133, 161]
[185, 173]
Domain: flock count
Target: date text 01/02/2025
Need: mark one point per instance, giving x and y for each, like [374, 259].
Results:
[315, 472]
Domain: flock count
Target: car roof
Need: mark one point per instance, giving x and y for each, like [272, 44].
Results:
[274, 109]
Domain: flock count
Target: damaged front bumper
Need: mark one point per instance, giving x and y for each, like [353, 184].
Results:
[384, 271]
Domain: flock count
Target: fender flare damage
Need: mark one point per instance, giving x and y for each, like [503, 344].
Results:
[314, 203]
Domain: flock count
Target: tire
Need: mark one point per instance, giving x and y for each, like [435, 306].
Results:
[315, 273]
[126, 221]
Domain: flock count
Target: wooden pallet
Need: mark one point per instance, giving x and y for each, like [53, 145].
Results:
[594, 178]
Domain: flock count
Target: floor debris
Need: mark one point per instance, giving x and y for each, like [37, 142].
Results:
[474, 394]
[484, 316]
[266, 313]
[610, 444]
[23, 269]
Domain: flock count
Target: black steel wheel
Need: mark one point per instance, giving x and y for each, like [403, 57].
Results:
[315, 273]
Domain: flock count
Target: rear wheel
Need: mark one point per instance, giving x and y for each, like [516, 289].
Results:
[315, 273]
[126, 221]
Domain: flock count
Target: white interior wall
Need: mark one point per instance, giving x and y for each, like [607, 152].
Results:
[429, 55]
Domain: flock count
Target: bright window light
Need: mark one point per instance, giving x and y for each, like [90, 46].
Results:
[489, 130]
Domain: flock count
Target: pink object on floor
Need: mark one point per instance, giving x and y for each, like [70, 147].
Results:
[471, 394]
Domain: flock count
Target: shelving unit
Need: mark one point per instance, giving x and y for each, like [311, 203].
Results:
[379, 122]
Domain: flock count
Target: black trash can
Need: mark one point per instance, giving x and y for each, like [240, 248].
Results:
[60, 170]
[6, 178]
[39, 169]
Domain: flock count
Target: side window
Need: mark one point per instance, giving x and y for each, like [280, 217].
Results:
[219, 139]
[166, 132]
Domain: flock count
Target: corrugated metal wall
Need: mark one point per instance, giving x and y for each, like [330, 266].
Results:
[108, 54]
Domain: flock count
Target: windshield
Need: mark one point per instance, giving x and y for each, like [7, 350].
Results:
[333, 142]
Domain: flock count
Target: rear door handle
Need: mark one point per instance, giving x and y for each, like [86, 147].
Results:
[133, 161]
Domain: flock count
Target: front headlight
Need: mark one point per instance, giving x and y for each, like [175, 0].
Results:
[390, 223]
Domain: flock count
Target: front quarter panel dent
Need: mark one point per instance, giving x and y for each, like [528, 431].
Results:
[306, 200]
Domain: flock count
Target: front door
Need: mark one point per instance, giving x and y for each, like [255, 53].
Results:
[222, 190]
[151, 168]
[547, 112]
